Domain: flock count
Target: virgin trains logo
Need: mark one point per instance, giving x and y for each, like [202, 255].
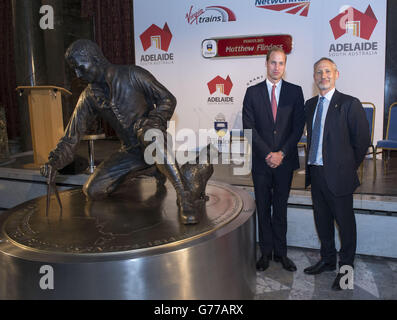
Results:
[353, 21]
[210, 14]
[299, 7]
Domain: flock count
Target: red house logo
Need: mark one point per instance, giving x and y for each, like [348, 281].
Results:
[160, 38]
[353, 21]
[221, 85]
[298, 7]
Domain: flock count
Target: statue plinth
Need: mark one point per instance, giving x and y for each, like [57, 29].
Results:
[130, 246]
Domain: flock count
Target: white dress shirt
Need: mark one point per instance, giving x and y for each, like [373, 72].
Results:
[270, 89]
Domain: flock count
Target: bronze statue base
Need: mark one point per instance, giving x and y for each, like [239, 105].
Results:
[130, 246]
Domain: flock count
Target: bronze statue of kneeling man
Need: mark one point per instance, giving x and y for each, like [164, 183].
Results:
[132, 101]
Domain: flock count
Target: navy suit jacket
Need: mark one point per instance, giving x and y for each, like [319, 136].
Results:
[269, 135]
[345, 143]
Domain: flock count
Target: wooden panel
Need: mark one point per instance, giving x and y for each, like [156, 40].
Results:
[45, 110]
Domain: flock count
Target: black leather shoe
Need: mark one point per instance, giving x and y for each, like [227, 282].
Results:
[320, 267]
[263, 263]
[286, 262]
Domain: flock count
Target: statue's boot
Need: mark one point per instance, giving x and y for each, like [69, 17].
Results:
[188, 212]
[168, 167]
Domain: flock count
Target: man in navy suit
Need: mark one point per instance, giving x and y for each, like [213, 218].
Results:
[338, 139]
[274, 111]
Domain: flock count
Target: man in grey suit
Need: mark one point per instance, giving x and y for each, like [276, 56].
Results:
[338, 139]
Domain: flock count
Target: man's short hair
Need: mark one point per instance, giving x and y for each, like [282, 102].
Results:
[87, 50]
[275, 49]
[325, 59]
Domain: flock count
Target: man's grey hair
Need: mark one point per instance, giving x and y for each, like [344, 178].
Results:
[325, 59]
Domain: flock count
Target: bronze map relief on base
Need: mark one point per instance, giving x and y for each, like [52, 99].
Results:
[130, 246]
[139, 217]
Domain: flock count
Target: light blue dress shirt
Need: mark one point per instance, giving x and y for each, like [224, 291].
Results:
[327, 100]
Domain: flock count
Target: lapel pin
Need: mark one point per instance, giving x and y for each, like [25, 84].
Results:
[336, 106]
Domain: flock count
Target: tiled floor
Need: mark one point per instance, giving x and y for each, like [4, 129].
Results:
[375, 278]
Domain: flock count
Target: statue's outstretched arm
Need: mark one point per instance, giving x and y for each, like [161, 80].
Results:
[83, 114]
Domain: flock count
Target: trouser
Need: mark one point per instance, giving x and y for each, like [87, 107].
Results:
[112, 171]
[327, 209]
[272, 188]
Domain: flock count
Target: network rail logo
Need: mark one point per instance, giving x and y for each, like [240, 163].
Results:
[297, 7]
[209, 14]
[156, 39]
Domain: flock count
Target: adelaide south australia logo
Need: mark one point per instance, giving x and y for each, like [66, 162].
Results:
[352, 23]
[220, 90]
[156, 42]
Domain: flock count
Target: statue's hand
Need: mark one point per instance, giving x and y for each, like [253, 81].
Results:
[139, 124]
[154, 123]
[48, 171]
[144, 124]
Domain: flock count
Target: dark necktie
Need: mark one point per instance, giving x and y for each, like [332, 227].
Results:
[274, 103]
[316, 133]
